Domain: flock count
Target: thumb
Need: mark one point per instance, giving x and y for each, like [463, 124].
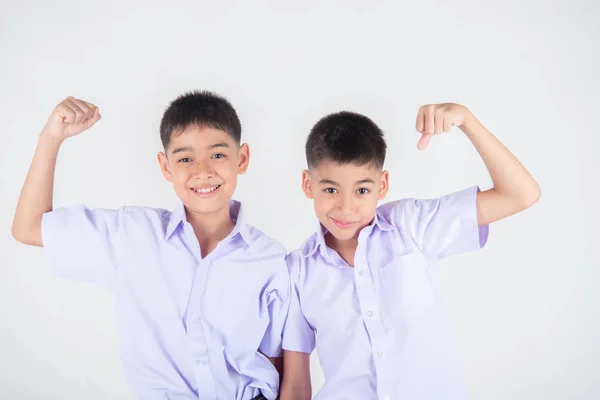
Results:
[424, 141]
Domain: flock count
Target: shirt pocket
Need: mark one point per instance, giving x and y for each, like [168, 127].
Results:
[239, 308]
[407, 287]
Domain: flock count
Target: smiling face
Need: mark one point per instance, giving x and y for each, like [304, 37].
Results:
[345, 195]
[203, 163]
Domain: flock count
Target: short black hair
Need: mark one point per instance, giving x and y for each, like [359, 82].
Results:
[345, 137]
[201, 108]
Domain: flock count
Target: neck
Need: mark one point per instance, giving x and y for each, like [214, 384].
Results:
[210, 228]
[345, 248]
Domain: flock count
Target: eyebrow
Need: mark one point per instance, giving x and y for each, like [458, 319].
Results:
[182, 149]
[367, 180]
[330, 182]
[189, 148]
[214, 146]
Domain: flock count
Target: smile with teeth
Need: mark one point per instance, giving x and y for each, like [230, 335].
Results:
[206, 190]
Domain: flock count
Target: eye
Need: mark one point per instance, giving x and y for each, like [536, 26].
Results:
[363, 191]
[185, 160]
[330, 190]
[218, 155]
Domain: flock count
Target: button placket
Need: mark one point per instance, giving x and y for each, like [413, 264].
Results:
[196, 336]
[369, 307]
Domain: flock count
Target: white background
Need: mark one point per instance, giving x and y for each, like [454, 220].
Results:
[524, 312]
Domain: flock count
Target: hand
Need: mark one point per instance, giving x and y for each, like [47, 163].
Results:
[71, 117]
[434, 119]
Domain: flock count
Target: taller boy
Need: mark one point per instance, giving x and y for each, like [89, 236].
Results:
[201, 297]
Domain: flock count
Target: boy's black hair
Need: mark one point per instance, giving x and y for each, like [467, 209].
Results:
[345, 137]
[202, 108]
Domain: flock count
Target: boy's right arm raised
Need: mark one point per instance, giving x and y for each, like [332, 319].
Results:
[69, 118]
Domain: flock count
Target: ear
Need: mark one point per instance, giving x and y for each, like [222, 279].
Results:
[384, 185]
[164, 166]
[243, 158]
[307, 184]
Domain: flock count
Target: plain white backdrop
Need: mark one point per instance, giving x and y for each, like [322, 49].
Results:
[524, 312]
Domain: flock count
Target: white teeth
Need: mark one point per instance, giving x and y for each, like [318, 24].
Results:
[206, 190]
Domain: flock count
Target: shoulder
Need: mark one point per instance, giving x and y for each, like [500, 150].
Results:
[145, 217]
[265, 244]
[298, 260]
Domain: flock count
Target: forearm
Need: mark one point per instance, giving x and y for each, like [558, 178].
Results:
[296, 383]
[291, 390]
[36, 194]
[510, 178]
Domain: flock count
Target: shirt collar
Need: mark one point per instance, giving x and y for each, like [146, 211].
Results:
[178, 217]
[318, 241]
[382, 222]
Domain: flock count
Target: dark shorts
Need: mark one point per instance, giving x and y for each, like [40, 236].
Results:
[260, 397]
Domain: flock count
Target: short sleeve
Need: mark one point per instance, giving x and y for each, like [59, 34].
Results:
[445, 226]
[298, 335]
[278, 301]
[82, 244]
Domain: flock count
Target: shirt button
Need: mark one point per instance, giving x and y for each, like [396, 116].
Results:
[387, 398]
[370, 313]
[381, 354]
[200, 362]
[362, 272]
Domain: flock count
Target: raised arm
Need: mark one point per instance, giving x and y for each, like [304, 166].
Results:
[514, 188]
[70, 117]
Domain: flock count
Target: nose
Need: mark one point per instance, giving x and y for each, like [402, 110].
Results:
[346, 204]
[203, 170]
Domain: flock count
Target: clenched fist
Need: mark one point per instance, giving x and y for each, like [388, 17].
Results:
[71, 117]
[434, 119]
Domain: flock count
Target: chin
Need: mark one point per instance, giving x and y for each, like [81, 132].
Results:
[206, 206]
[342, 234]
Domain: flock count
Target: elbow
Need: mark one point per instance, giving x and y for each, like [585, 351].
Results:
[18, 234]
[532, 196]
[25, 236]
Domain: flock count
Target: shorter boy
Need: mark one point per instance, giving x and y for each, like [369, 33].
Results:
[201, 297]
[363, 289]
